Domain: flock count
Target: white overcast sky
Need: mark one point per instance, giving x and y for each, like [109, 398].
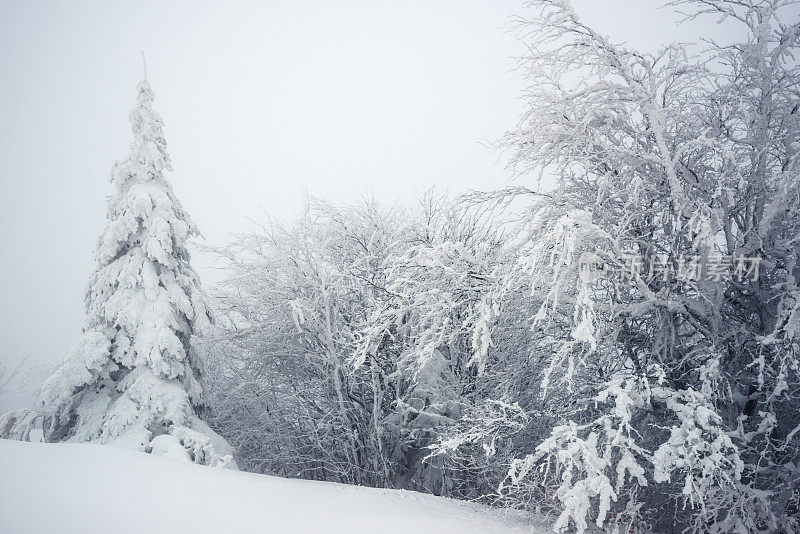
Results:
[261, 100]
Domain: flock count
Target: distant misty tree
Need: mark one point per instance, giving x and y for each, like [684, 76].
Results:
[17, 423]
[132, 378]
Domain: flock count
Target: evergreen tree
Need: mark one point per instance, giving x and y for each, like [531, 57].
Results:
[132, 379]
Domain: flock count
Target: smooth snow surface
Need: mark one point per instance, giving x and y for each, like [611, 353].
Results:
[83, 488]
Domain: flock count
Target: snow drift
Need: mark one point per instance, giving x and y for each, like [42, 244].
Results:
[89, 488]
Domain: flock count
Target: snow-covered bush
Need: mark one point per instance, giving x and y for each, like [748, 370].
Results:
[349, 340]
[678, 391]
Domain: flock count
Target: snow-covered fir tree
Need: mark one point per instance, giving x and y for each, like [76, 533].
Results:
[132, 379]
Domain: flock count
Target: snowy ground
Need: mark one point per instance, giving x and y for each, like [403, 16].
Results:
[87, 489]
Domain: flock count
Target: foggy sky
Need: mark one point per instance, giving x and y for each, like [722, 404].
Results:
[261, 100]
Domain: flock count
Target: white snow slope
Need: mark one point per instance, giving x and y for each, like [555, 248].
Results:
[82, 488]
